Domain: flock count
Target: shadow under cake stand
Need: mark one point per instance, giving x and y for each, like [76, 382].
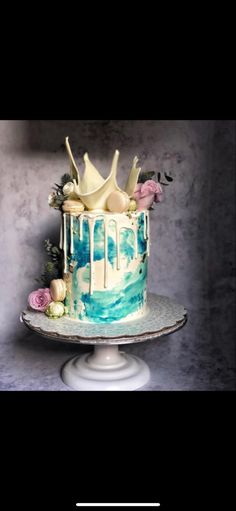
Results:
[108, 368]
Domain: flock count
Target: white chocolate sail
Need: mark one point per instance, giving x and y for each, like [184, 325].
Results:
[73, 167]
[133, 178]
[92, 189]
[97, 198]
[91, 178]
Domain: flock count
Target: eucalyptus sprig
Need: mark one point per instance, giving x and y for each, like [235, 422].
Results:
[52, 250]
[145, 175]
[161, 177]
[52, 269]
[57, 198]
[66, 178]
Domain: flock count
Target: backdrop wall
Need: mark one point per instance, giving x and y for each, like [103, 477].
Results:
[192, 232]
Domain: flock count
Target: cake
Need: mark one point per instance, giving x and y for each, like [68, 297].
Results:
[104, 245]
[105, 265]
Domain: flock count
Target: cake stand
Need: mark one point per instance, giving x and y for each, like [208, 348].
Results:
[108, 368]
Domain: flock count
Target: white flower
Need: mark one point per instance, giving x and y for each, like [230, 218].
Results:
[68, 189]
[52, 200]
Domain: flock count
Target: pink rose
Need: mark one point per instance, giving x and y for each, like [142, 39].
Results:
[146, 193]
[40, 299]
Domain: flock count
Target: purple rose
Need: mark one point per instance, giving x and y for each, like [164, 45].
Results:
[40, 299]
[147, 193]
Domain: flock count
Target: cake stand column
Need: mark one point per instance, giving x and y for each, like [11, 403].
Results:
[106, 368]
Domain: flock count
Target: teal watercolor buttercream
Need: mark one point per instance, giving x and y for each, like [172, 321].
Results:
[124, 299]
[106, 271]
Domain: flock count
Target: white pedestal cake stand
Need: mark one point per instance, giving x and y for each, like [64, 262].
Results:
[108, 368]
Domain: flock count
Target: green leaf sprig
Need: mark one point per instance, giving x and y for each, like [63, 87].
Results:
[161, 177]
[52, 269]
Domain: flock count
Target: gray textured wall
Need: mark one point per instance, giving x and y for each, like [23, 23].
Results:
[192, 231]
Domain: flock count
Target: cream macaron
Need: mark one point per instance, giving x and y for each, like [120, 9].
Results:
[118, 202]
[58, 290]
[74, 207]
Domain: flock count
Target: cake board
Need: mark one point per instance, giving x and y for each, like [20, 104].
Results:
[108, 368]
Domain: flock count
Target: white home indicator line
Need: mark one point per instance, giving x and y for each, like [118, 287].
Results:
[115, 504]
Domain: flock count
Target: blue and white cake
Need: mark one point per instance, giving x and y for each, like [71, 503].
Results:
[98, 274]
[105, 243]
[105, 265]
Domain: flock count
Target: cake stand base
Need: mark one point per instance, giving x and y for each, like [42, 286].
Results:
[106, 368]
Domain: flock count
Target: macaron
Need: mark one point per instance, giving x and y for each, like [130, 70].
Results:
[74, 207]
[118, 202]
[58, 290]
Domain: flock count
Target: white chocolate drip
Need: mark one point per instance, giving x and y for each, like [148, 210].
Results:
[91, 223]
[64, 243]
[71, 235]
[106, 222]
[61, 234]
[148, 234]
[136, 239]
[121, 222]
[117, 247]
[81, 219]
[145, 225]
